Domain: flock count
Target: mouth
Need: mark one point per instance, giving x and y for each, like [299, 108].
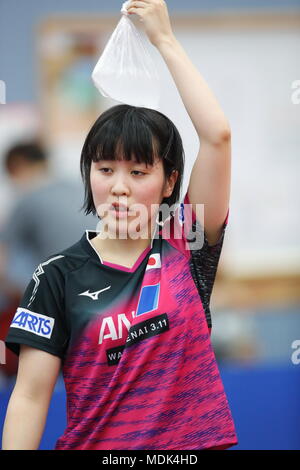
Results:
[119, 208]
[120, 211]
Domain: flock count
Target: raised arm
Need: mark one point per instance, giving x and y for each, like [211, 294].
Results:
[210, 178]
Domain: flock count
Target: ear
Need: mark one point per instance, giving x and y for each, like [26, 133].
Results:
[170, 183]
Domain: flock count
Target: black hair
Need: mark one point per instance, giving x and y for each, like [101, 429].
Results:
[31, 152]
[134, 133]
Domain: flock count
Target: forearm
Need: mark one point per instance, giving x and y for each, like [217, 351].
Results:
[201, 105]
[24, 423]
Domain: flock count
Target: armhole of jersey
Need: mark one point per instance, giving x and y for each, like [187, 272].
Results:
[201, 223]
[178, 226]
[185, 231]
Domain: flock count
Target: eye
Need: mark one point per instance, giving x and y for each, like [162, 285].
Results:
[103, 170]
[137, 171]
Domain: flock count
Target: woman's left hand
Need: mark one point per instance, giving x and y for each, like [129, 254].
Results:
[155, 17]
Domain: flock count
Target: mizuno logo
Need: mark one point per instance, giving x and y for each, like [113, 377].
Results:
[94, 295]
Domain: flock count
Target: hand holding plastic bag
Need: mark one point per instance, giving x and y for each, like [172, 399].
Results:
[125, 71]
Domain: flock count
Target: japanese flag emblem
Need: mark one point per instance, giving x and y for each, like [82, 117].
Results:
[154, 261]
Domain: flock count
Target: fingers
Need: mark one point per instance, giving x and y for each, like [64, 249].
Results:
[150, 2]
[137, 7]
[136, 4]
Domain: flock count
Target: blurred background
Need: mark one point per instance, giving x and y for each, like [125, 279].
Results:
[248, 51]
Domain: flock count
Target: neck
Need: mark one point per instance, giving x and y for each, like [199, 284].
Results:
[120, 246]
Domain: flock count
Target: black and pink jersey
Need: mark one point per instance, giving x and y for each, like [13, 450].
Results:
[137, 360]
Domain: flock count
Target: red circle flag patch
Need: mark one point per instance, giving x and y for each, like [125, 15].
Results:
[154, 261]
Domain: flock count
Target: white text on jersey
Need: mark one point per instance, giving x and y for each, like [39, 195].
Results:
[110, 330]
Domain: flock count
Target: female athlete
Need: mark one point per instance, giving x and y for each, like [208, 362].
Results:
[124, 313]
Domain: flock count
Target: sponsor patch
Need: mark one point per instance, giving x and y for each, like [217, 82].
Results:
[148, 300]
[33, 322]
[114, 355]
[154, 261]
[151, 327]
[138, 332]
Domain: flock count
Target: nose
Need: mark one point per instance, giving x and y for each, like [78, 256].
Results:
[120, 185]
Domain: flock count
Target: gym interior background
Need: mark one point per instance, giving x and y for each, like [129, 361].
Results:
[248, 51]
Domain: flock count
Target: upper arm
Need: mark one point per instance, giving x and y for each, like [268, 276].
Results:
[40, 319]
[210, 185]
[37, 373]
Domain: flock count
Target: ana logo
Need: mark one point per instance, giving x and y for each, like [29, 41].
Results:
[154, 261]
[33, 322]
[94, 295]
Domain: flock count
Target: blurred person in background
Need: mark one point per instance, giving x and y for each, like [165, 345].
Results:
[46, 218]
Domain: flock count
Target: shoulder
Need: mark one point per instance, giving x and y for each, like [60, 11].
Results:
[49, 279]
[65, 261]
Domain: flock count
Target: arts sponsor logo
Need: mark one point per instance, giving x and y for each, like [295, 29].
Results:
[33, 322]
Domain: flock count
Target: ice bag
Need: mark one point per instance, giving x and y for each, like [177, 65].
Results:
[126, 72]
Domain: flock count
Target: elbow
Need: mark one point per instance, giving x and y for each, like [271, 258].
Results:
[223, 136]
[226, 134]
[219, 136]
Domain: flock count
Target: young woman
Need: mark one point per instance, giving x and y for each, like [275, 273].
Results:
[127, 317]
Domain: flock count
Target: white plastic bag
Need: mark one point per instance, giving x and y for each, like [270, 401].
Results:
[126, 71]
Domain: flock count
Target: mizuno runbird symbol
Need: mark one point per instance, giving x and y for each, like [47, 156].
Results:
[94, 295]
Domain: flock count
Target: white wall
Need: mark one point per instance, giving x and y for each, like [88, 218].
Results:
[251, 73]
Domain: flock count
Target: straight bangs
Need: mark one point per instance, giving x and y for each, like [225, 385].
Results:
[142, 135]
[124, 139]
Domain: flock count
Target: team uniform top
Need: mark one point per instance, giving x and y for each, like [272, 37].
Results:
[137, 359]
